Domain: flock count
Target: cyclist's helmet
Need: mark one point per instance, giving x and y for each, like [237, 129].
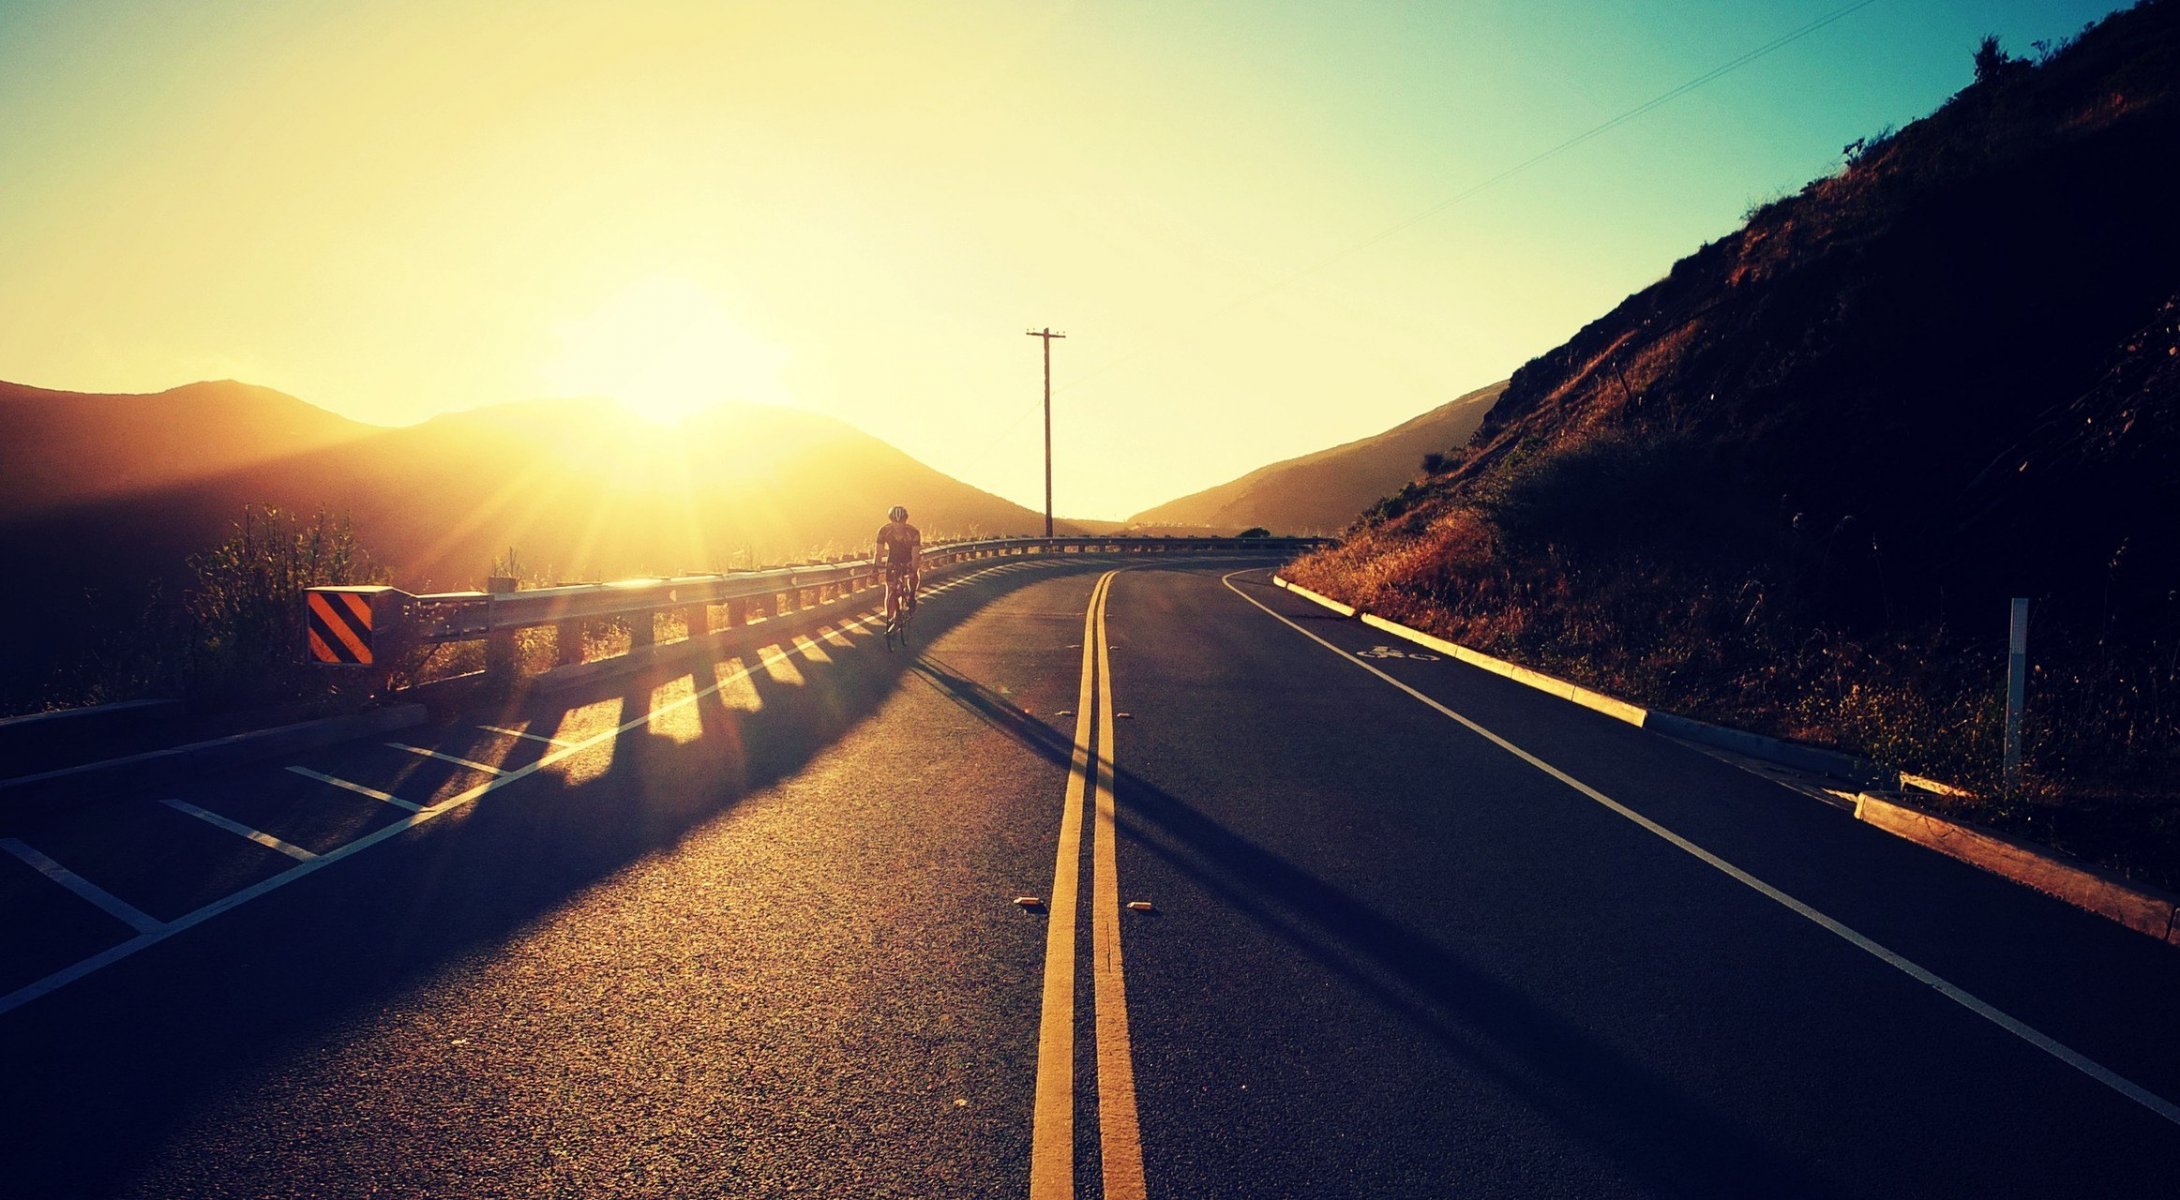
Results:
[897, 513]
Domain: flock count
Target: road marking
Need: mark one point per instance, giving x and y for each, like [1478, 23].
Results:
[114, 906]
[241, 830]
[2065, 1054]
[1120, 1140]
[473, 765]
[357, 788]
[1052, 1126]
[517, 733]
[1052, 1130]
[1392, 652]
[418, 815]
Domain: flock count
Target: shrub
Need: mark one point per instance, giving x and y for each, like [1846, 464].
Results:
[244, 627]
[1992, 62]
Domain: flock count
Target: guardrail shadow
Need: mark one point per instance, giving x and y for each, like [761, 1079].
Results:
[105, 1072]
[1656, 1132]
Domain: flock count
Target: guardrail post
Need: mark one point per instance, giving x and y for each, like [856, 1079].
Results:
[737, 613]
[698, 617]
[499, 644]
[643, 629]
[568, 643]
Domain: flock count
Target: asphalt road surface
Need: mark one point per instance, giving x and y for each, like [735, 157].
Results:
[1314, 916]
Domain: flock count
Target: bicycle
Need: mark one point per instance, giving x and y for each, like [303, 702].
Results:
[901, 600]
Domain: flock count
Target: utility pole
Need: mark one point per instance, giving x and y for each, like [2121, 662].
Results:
[1047, 334]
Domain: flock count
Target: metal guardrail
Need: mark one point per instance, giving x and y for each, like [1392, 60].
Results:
[370, 627]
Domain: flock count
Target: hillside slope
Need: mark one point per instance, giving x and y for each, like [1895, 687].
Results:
[1793, 483]
[577, 489]
[1325, 491]
[60, 447]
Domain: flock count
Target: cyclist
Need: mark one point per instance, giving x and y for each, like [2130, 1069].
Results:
[898, 545]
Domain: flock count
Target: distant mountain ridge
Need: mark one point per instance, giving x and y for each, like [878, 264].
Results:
[1326, 491]
[58, 446]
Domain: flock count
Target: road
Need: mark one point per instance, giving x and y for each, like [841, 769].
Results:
[1315, 916]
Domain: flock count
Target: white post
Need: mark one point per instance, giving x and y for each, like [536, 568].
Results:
[2017, 672]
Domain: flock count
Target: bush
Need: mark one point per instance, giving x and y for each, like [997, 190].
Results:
[1992, 62]
[1613, 489]
[243, 628]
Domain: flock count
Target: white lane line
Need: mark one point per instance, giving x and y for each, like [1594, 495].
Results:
[113, 954]
[517, 733]
[114, 906]
[357, 788]
[472, 764]
[417, 816]
[241, 830]
[2071, 1057]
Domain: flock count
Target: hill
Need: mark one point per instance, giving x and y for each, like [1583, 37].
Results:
[1327, 490]
[61, 447]
[576, 489]
[1792, 484]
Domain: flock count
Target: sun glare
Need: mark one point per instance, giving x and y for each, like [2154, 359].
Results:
[667, 349]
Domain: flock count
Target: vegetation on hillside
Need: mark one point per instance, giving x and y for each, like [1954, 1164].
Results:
[1792, 485]
[231, 635]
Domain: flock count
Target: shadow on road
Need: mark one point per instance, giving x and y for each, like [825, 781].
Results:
[105, 1072]
[1656, 1132]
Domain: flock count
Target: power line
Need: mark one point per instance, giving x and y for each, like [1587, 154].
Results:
[1410, 222]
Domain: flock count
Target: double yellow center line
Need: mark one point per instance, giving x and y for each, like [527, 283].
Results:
[1052, 1134]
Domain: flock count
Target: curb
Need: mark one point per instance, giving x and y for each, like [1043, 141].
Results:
[199, 758]
[2144, 910]
[1755, 745]
[65, 717]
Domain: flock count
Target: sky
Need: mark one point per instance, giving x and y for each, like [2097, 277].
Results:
[1259, 223]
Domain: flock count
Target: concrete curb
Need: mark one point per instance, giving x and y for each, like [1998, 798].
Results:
[2144, 910]
[1861, 771]
[127, 710]
[199, 758]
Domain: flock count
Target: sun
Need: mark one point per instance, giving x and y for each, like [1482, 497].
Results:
[667, 349]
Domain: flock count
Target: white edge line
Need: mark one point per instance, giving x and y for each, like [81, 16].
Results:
[152, 937]
[2071, 1057]
[473, 765]
[517, 733]
[67, 975]
[112, 905]
[357, 788]
[240, 830]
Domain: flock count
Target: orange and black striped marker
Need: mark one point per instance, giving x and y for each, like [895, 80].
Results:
[340, 627]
